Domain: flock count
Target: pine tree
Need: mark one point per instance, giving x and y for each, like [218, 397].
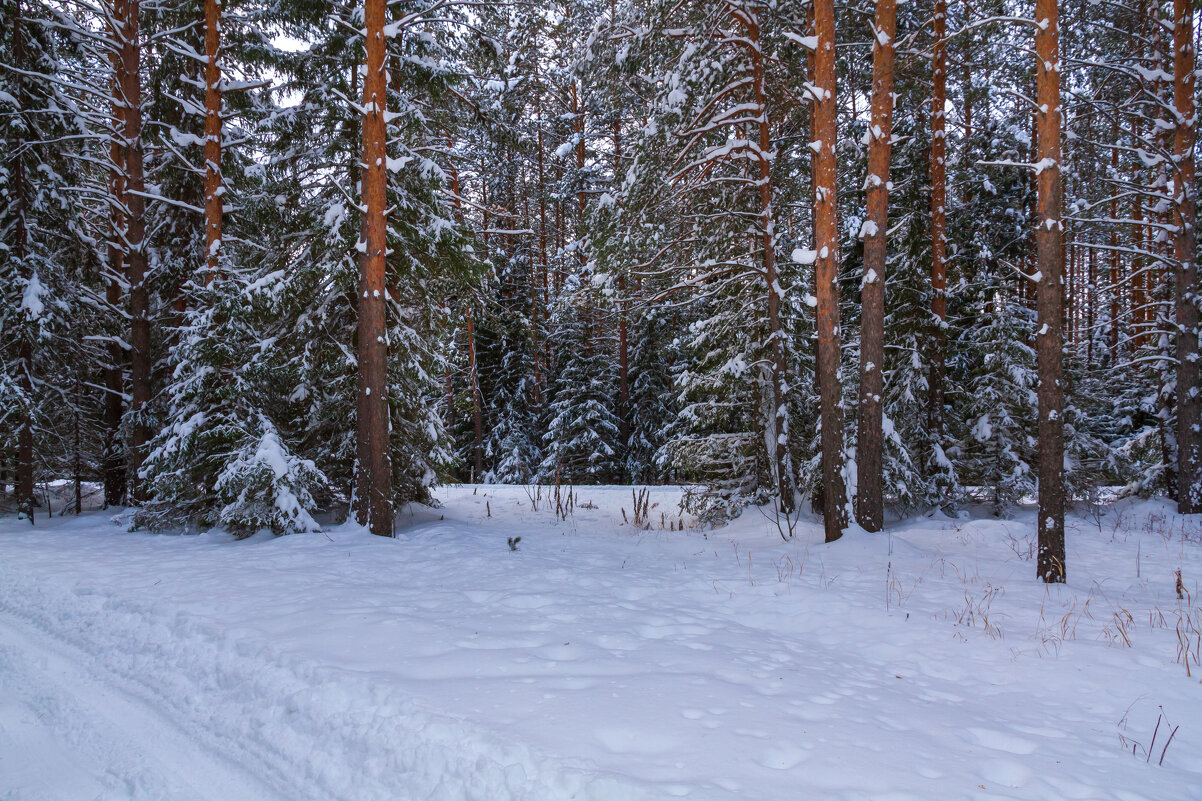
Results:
[1050, 261]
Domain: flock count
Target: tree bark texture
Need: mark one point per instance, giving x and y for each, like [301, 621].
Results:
[19, 189]
[779, 425]
[374, 489]
[141, 359]
[827, 272]
[869, 443]
[1189, 404]
[113, 459]
[1049, 341]
[938, 220]
[214, 199]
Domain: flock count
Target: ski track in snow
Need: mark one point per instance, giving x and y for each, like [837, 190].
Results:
[597, 662]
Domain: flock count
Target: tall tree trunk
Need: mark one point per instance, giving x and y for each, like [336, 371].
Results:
[1050, 292]
[870, 505]
[212, 180]
[477, 401]
[623, 299]
[827, 272]
[135, 236]
[624, 413]
[938, 222]
[1189, 404]
[19, 189]
[779, 424]
[542, 242]
[1091, 287]
[77, 455]
[1114, 257]
[375, 475]
[1139, 301]
[818, 501]
[113, 461]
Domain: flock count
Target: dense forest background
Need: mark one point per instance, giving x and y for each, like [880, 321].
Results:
[687, 241]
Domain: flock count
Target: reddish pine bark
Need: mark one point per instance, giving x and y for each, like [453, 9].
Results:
[1189, 404]
[212, 149]
[477, 401]
[767, 244]
[623, 300]
[375, 476]
[623, 303]
[1114, 260]
[1139, 301]
[114, 404]
[869, 445]
[535, 310]
[938, 220]
[19, 188]
[141, 359]
[1049, 298]
[834, 499]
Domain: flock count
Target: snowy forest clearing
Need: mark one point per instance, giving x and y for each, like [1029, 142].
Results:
[600, 661]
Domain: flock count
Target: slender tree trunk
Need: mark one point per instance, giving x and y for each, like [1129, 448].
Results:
[1028, 287]
[1091, 292]
[623, 300]
[818, 501]
[1114, 258]
[375, 475]
[212, 180]
[578, 127]
[1189, 404]
[778, 426]
[870, 505]
[114, 384]
[141, 359]
[1139, 301]
[474, 377]
[938, 221]
[827, 272]
[1050, 292]
[77, 460]
[542, 241]
[1073, 287]
[19, 190]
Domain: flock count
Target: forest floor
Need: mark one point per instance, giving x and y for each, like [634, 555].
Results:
[602, 659]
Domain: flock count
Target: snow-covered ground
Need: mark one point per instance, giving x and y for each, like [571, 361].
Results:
[600, 661]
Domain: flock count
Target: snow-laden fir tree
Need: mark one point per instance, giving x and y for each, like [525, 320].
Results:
[582, 440]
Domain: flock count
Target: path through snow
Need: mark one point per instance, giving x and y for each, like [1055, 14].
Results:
[596, 662]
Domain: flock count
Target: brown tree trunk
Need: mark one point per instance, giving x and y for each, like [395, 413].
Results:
[374, 501]
[77, 456]
[778, 426]
[212, 180]
[19, 189]
[1049, 298]
[474, 378]
[1091, 280]
[1189, 404]
[141, 359]
[578, 128]
[536, 355]
[1114, 259]
[870, 504]
[1139, 301]
[826, 268]
[113, 463]
[624, 412]
[623, 305]
[938, 221]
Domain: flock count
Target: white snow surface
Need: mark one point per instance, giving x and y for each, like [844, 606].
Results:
[598, 661]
